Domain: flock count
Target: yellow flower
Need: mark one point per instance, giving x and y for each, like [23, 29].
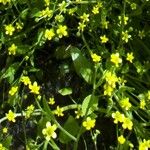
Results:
[89, 123]
[49, 131]
[130, 57]
[118, 117]
[116, 59]
[142, 104]
[108, 89]
[125, 36]
[34, 88]
[62, 31]
[78, 113]
[47, 13]
[59, 111]
[141, 34]
[19, 25]
[62, 6]
[133, 6]
[59, 18]
[29, 111]
[85, 17]
[121, 139]
[95, 10]
[127, 123]
[95, 57]
[9, 29]
[124, 103]
[13, 90]
[111, 79]
[4, 2]
[105, 24]
[12, 49]
[47, 2]
[5, 130]
[25, 80]
[11, 116]
[104, 39]
[144, 145]
[2, 147]
[81, 26]
[49, 34]
[51, 101]
[125, 19]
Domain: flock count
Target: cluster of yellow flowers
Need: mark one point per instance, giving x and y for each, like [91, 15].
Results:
[126, 122]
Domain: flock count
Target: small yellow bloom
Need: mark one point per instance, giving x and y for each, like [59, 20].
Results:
[142, 104]
[85, 17]
[2, 147]
[104, 39]
[108, 89]
[81, 26]
[141, 34]
[47, 2]
[49, 131]
[125, 36]
[127, 124]
[130, 57]
[133, 6]
[118, 117]
[95, 10]
[25, 80]
[62, 31]
[62, 6]
[78, 113]
[9, 29]
[116, 59]
[5, 130]
[34, 88]
[59, 111]
[13, 90]
[89, 123]
[29, 111]
[125, 19]
[59, 18]
[145, 145]
[51, 101]
[12, 49]
[121, 139]
[124, 103]
[11, 116]
[105, 24]
[49, 34]
[46, 13]
[19, 25]
[95, 57]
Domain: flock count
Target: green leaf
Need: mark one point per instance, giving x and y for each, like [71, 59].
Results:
[72, 127]
[82, 65]
[65, 91]
[7, 141]
[89, 104]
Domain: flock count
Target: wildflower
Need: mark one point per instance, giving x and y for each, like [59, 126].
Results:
[29, 111]
[85, 17]
[124, 103]
[133, 6]
[127, 124]
[116, 59]
[144, 145]
[5, 130]
[62, 31]
[34, 88]
[47, 2]
[130, 57]
[71, 11]
[89, 123]
[105, 24]
[108, 90]
[141, 34]
[121, 139]
[13, 90]
[2, 147]
[81, 26]
[59, 18]
[104, 39]
[49, 131]
[62, 6]
[95, 10]
[125, 19]
[19, 25]
[12, 49]
[49, 34]
[51, 101]
[9, 29]
[78, 113]
[95, 57]
[142, 104]
[11, 116]
[111, 79]
[118, 117]
[25, 80]
[59, 111]
[125, 36]
[47, 13]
